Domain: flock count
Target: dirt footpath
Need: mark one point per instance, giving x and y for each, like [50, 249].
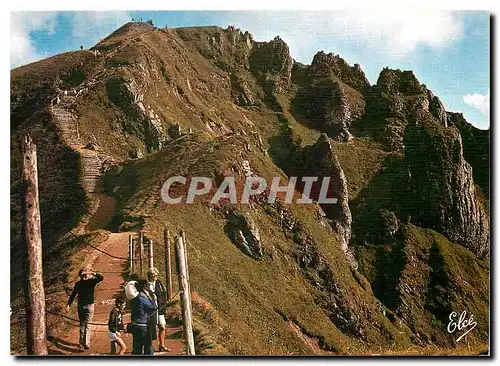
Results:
[112, 270]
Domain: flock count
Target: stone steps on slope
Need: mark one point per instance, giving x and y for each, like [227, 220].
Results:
[91, 165]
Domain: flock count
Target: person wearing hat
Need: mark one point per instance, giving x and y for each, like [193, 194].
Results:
[143, 309]
[85, 289]
[130, 287]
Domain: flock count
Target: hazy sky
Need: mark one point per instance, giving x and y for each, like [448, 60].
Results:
[448, 51]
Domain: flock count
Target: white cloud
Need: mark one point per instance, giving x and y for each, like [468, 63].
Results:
[90, 26]
[400, 32]
[479, 101]
[22, 48]
[392, 33]
[86, 28]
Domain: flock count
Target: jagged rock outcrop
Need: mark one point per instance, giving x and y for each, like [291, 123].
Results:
[443, 195]
[137, 120]
[476, 144]
[229, 48]
[241, 91]
[393, 103]
[326, 106]
[329, 107]
[271, 61]
[436, 107]
[322, 161]
[329, 63]
[389, 223]
[396, 81]
[243, 231]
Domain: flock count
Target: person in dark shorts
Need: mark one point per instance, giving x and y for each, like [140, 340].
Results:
[115, 326]
[85, 289]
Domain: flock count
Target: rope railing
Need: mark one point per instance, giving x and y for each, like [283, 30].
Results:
[167, 304]
[94, 247]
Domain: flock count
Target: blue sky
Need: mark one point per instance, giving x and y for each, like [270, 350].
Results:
[448, 51]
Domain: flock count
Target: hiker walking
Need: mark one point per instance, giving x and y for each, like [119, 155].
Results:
[160, 298]
[85, 288]
[142, 310]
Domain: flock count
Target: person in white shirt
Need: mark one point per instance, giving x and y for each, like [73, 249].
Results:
[160, 298]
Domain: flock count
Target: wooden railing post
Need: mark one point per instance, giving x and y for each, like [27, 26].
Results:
[150, 253]
[168, 263]
[184, 295]
[184, 242]
[131, 253]
[35, 293]
[141, 253]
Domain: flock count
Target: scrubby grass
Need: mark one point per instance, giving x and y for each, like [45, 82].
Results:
[361, 160]
[436, 278]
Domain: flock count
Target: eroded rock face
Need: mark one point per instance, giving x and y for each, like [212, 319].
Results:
[351, 75]
[243, 231]
[476, 144]
[322, 161]
[393, 103]
[137, 120]
[330, 106]
[327, 107]
[436, 107]
[274, 58]
[241, 91]
[443, 194]
[397, 81]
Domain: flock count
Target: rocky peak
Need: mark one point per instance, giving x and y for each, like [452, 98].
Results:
[235, 35]
[443, 194]
[129, 29]
[326, 105]
[351, 75]
[396, 81]
[397, 100]
[272, 57]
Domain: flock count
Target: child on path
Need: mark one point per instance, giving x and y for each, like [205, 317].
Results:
[115, 326]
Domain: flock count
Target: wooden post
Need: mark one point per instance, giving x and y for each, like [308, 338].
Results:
[131, 254]
[134, 253]
[150, 253]
[184, 295]
[168, 263]
[35, 293]
[141, 253]
[184, 242]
